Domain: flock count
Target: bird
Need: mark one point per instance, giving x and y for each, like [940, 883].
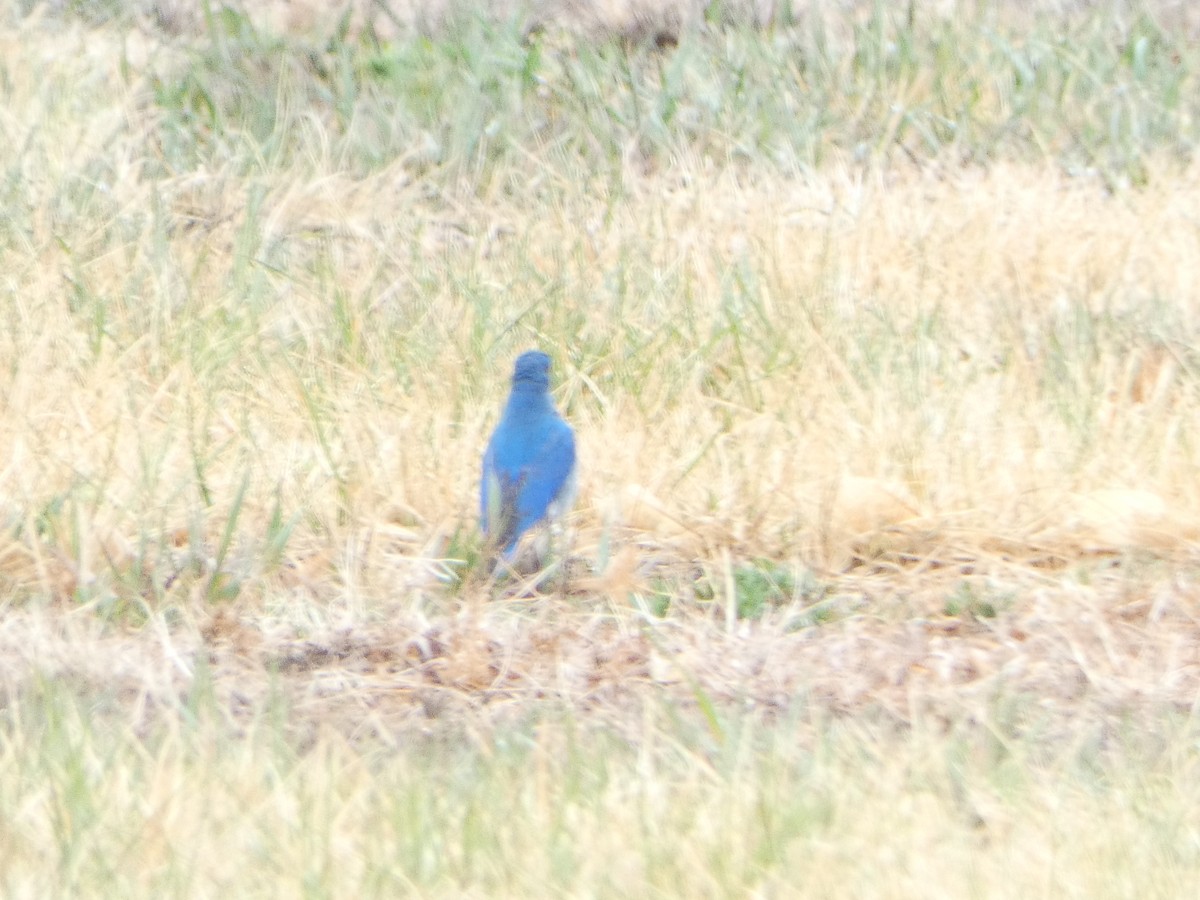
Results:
[529, 465]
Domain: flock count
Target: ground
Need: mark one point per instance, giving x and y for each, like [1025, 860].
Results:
[876, 328]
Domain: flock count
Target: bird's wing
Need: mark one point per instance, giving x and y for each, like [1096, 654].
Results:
[546, 475]
[498, 493]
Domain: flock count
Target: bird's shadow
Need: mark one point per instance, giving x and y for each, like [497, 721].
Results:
[528, 574]
[537, 569]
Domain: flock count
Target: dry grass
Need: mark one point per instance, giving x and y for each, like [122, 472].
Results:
[884, 563]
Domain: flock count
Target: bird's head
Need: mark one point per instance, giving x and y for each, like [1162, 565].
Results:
[532, 369]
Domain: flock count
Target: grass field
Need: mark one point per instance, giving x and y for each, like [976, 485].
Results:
[876, 323]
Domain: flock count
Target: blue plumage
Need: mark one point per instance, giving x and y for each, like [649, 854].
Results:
[529, 466]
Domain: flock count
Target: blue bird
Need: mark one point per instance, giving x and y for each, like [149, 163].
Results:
[529, 466]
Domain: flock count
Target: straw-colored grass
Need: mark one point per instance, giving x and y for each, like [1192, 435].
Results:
[877, 333]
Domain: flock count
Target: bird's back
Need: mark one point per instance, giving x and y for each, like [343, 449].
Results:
[529, 465]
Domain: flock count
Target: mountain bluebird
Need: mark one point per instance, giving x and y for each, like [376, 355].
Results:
[529, 466]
